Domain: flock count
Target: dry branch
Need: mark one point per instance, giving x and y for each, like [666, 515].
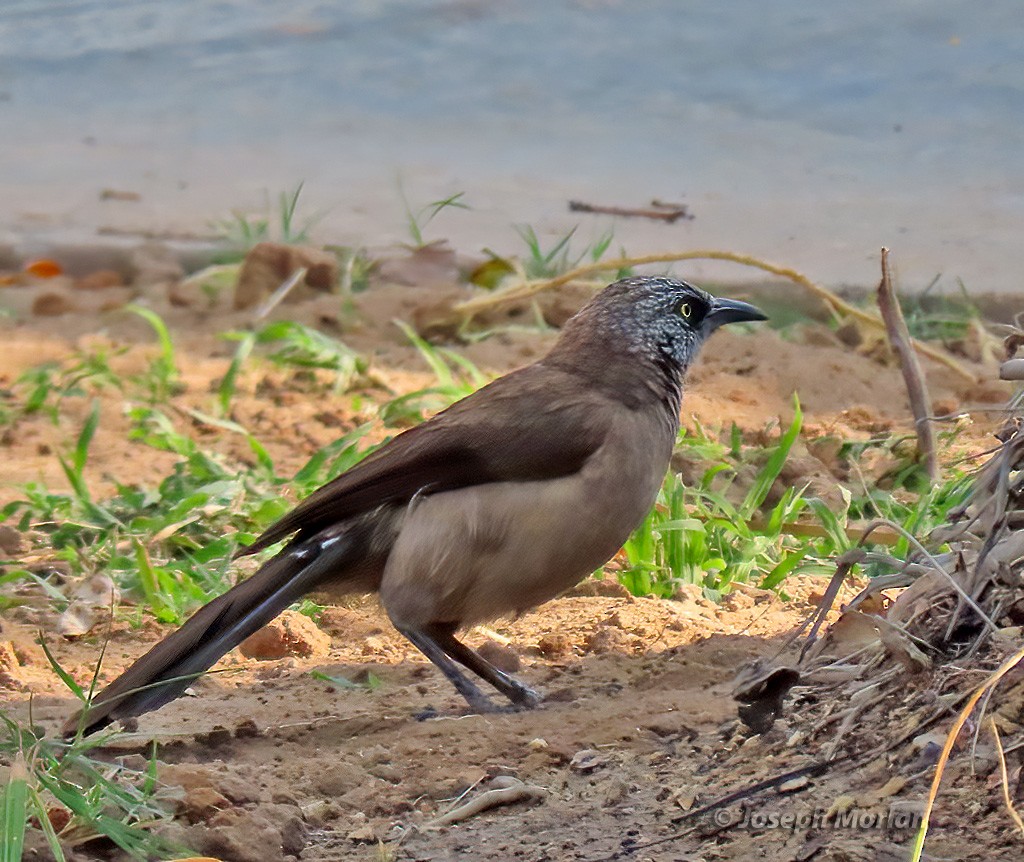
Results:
[836, 304]
[664, 214]
[956, 603]
[917, 389]
[504, 791]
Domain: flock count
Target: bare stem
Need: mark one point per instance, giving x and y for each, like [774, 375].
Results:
[917, 389]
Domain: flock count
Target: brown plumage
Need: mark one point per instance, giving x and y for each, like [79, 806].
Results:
[495, 505]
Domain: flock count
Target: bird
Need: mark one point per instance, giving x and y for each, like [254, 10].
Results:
[491, 507]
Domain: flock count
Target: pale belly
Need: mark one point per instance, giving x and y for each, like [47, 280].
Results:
[478, 553]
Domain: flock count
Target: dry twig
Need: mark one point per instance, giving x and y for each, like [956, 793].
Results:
[954, 732]
[664, 214]
[835, 303]
[1005, 778]
[504, 791]
[917, 389]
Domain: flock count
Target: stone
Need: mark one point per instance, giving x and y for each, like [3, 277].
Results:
[502, 657]
[202, 803]
[52, 304]
[235, 835]
[291, 634]
[269, 264]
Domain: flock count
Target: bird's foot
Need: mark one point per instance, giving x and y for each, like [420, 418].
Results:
[524, 697]
[478, 706]
[521, 697]
[426, 714]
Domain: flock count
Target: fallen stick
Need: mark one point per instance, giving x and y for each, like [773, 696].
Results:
[665, 215]
[917, 390]
[504, 791]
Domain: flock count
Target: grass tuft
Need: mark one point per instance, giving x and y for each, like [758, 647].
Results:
[62, 789]
[456, 378]
[696, 534]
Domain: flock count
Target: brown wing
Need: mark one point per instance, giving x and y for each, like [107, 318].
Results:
[536, 423]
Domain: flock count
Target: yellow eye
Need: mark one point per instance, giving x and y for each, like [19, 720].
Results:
[684, 309]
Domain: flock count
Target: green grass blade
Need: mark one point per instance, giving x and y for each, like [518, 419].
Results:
[81, 452]
[785, 568]
[455, 201]
[288, 207]
[559, 246]
[601, 245]
[437, 364]
[476, 376]
[829, 520]
[311, 471]
[770, 472]
[162, 377]
[131, 839]
[258, 449]
[160, 328]
[229, 382]
[76, 481]
[40, 806]
[14, 805]
[336, 681]
[65, 677]
[150, 583]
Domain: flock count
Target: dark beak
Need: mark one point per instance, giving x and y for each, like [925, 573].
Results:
[730, 311]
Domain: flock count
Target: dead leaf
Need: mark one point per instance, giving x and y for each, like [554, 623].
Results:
[90, 600]
[43, 268]
[586, 761]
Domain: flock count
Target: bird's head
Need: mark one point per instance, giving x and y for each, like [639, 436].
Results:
[656, 317]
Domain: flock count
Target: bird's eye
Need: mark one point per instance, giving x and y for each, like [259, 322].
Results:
[684, 309]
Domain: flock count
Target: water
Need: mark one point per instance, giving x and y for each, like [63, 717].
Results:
[811, 134]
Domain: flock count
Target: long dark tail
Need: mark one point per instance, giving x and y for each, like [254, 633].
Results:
[173, 664]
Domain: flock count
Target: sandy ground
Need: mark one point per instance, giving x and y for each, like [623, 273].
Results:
[639, 723]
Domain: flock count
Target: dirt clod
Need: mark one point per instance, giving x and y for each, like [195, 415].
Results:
[11, 542]
[268, 265]
[236, 835]
[502, 657]
[554, 644]
[52, 304]
[10, 669]
[609, 638]
[362, 831]
[202, 803]
[154, 265]
[291, 634]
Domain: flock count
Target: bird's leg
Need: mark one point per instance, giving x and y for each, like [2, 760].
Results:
[444, 636]
[425, 641]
